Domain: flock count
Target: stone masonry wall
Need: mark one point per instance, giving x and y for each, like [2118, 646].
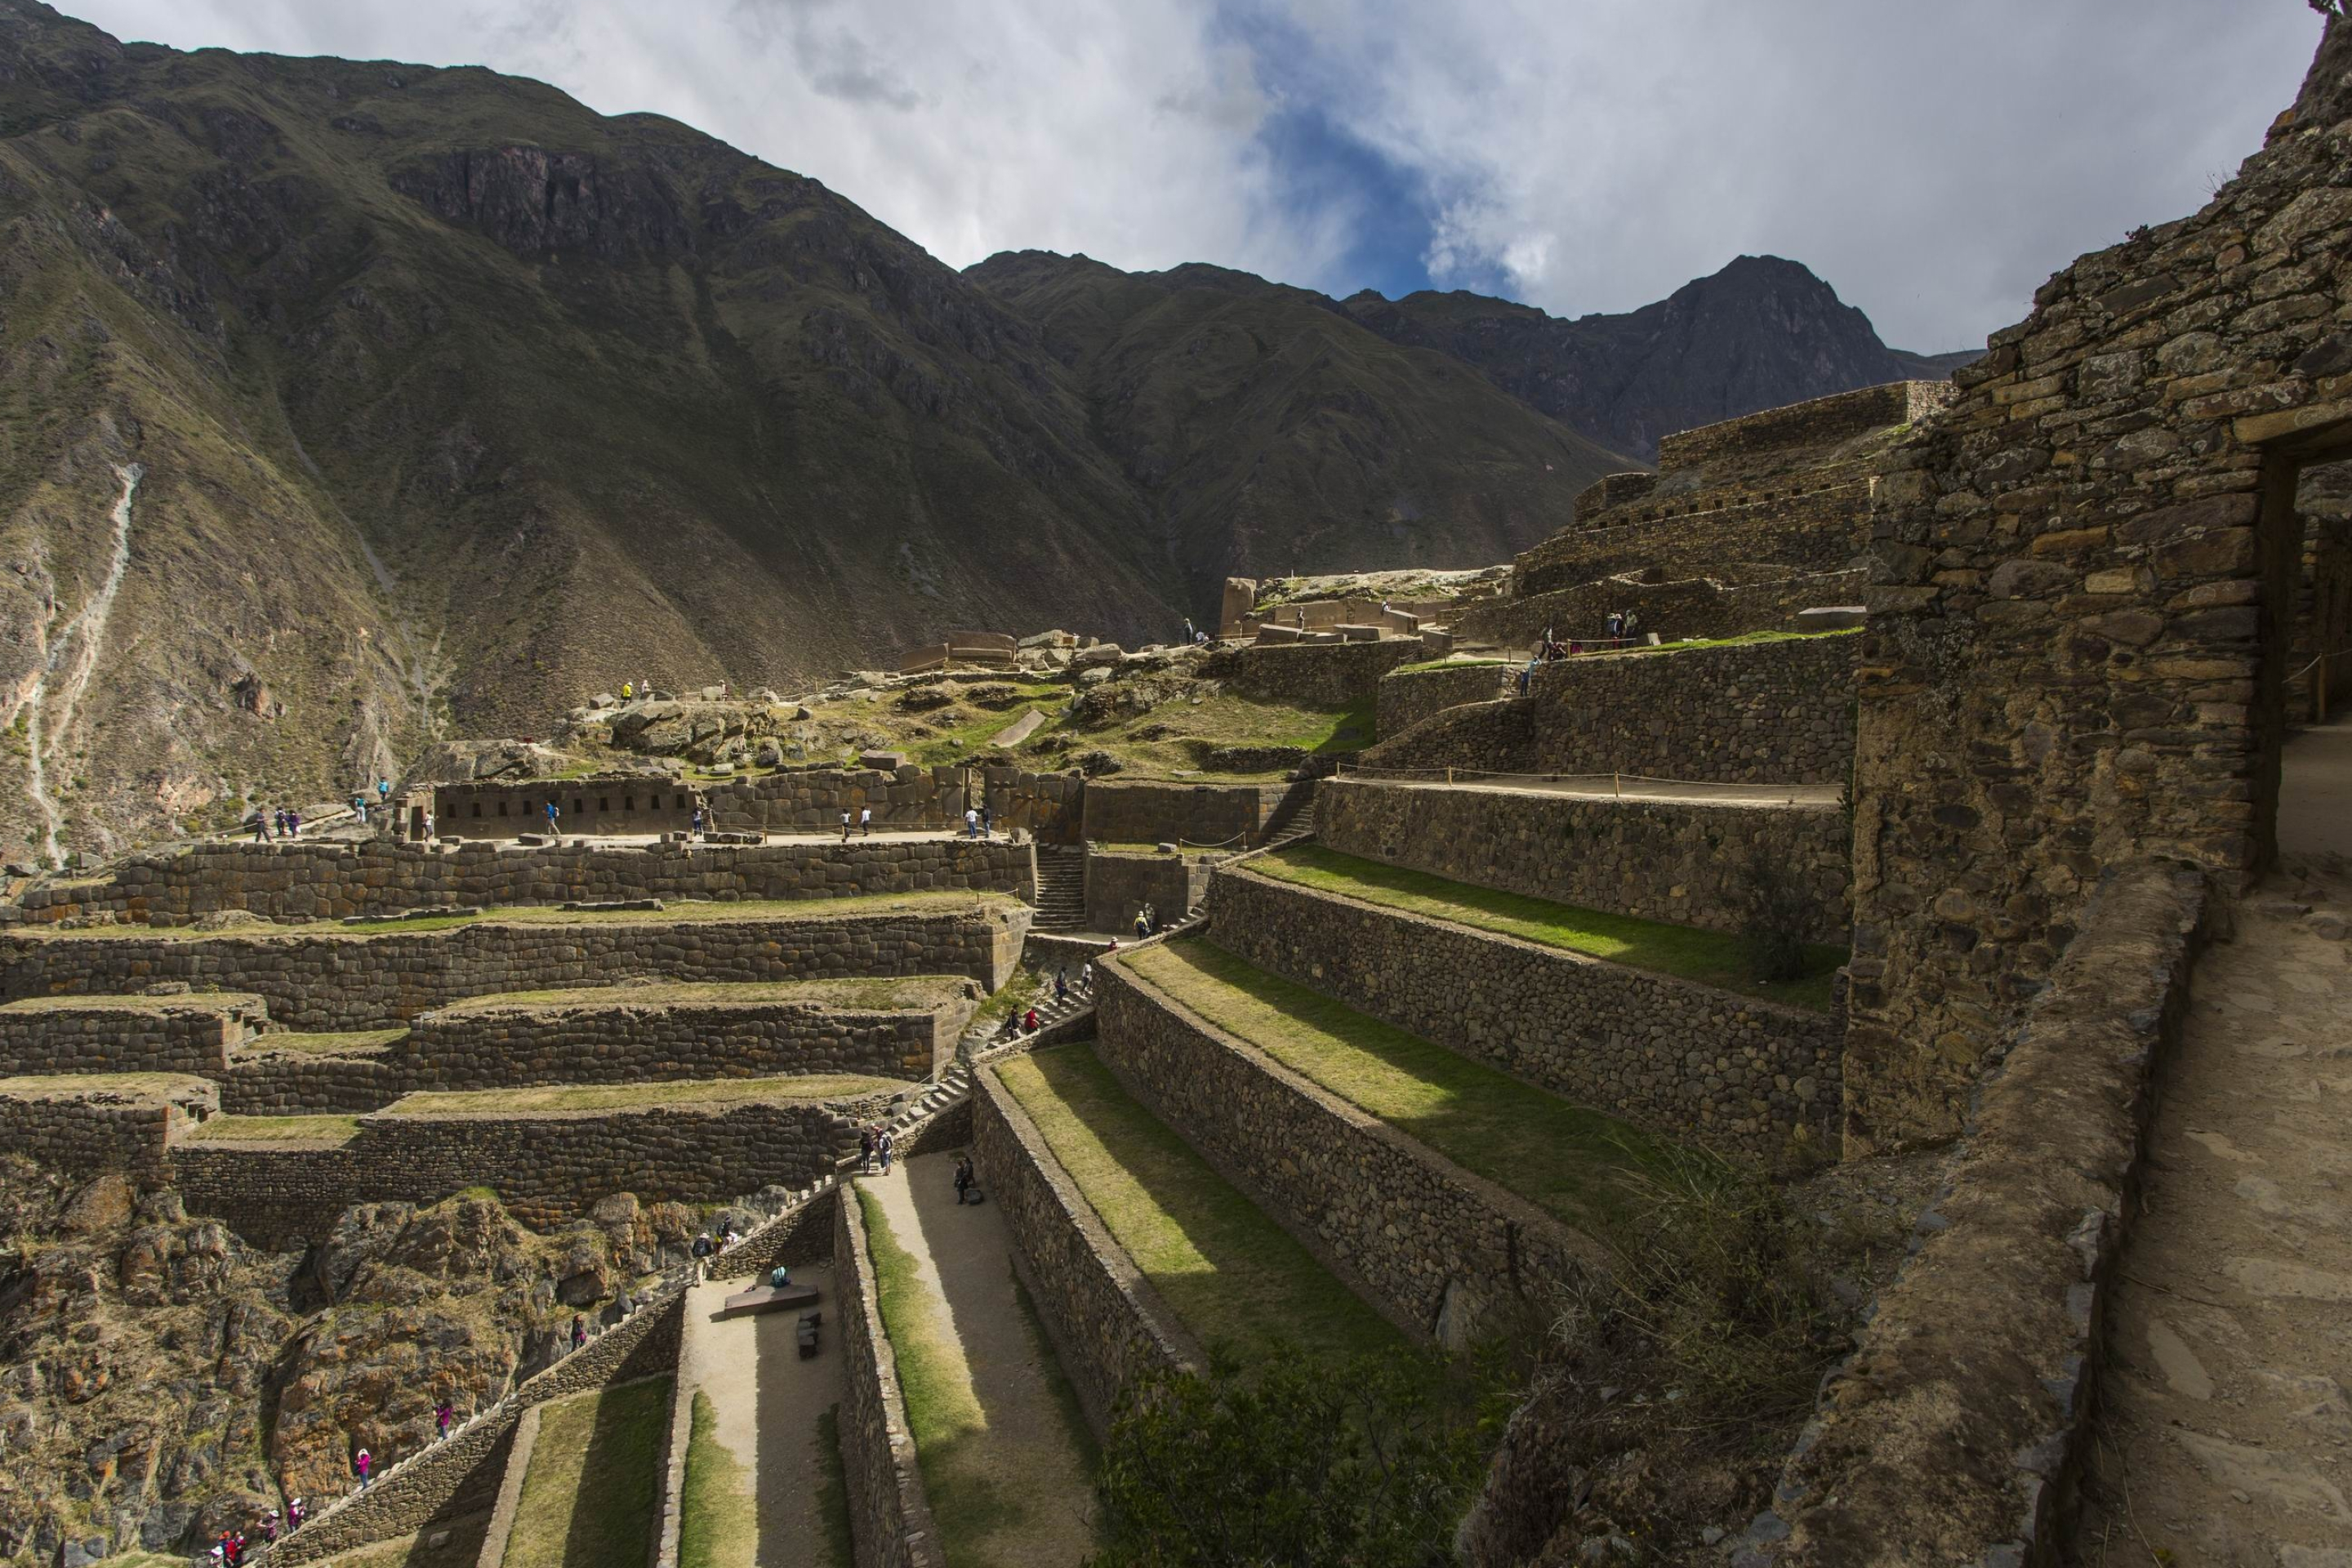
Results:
[1701, 606]
[267, 1082]
[1119, 885]
[1196, 814]
[911, 798]
[1416, 1230]
[301, 881]
[1685, 1060]
[1770, 712]
[340, 981]
[1955, 1432]
[1313, 675]
[1816, 422]
[192, 1035]
[1685, 861]
[1409, 696]
[889, 1517]
[1108, 1325]
[1823, 530]
[91, 1132]
[2085, 569]
[547, 1168]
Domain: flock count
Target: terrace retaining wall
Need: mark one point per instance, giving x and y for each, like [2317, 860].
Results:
[1407, 697]
[889, 1517]
[300, 882]
[1314, 674]
[1108, 1326]
[1119, 885]
[335, 980]
[94, 1131]
[1674, 1057]
[190, 1036]
[1440, 1246]
[1685, 861]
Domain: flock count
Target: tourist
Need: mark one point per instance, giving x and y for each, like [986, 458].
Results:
[1087, 977]
[962, 1178]
[1062, 984]
[628, 692]
[866, 821]
[865, 1149]
[987, 820]
[1188, 630]
[887, 1147]
[551, 815]
[293, 824]
[295, 1514]
[844, 825]
[277, 821]
[1030, 1022]
[359, 808]
[428, 826]
[779, 1277]
[1112, 948]
[383, 791]
[970, 822]
[363, 1462]
[1526, 676]
[694, 828]
[443, 1413]
[260, 825]
[1142, 925]
[269, 1527]
[1011, 1026]
[579, 1331]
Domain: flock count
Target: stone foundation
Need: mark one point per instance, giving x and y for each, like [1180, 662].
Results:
[889, 1517]
[184, 1035]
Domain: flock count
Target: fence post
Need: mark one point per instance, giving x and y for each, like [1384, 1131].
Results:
[1617, 782]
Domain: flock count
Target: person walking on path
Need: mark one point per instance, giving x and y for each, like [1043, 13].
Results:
[1029, 1021]
[628, 692]
[296, 1513]
[844, 825]
[579, 1331]
[260, 825]
[865, 1149]
[293, 824]
[987, 822]
[363, 1462]
[962, 1177]
[269, 1527]
[695, 828]
[970, 822]
[359, 808]
[1087, 977]
[1062, 984]
[551, 815]
[866, 821]
[1142, 925]
[887, 1147]
[442, 1413]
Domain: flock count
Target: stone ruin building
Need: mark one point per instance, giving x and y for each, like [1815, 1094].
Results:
[2018, 808]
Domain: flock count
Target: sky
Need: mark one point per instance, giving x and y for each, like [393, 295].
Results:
[1934, 162]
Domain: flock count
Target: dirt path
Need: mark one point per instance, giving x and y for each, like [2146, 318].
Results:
[2226, 1434]
[766, 1403]
[1020, 1465]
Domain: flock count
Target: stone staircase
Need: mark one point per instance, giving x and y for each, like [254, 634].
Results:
[1293, 820]
[1061, 889]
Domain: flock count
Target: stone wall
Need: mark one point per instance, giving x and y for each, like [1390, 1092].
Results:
[1684, 861]
[604, 803]
[301, 881]
[1119, 885]
[1701, 606]
[98, 1130]
[188, 1035]
[1416, 1231]
[265, 1082]
[1409, 696]
[889, 1517]
[1046, 806]
[1955, 1432]
[611, 1039]
[1313, 675]
[2075, 650]
[1825, 530]
[336, 980]
[1671, 1057]
[1768, 712]
[1816, 422]
[1201, 814]
[547, 1168]
[1108, 1325]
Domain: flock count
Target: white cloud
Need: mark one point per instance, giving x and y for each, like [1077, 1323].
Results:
[1934, 162]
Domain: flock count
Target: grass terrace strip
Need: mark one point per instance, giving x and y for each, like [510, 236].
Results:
[321, 1130]
[907, 994]
[1686, 952]
[1235, 1278]
[557, 1098]
[1567, 1160]
[61, 1085]
[593, 1488]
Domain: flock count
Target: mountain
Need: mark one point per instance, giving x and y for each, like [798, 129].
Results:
[1761, 332]
[348, 403]
[1275, 432]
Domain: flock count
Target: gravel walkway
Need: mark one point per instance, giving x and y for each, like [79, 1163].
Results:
[765, 1402]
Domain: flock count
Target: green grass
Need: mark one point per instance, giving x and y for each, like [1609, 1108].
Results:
[1427, 665]
[1559, 1155]
[1015, 994]
[321, 1045]
[1234, 1277]
[70, 1086]
[795, 1089]
[1708, 957]
[76, 1004]
[833, 1493]
[1746, 637]
[278, 1130]
[717, 1520]
[969, 1501]
[591, 1495]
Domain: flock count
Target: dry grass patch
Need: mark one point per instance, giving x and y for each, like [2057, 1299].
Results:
[70, 1086]
[590, 1496]
[556, 1099]
[277, 1129]
[919, 993]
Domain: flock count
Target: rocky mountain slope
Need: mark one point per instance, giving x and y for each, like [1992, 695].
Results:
[1761, 332]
